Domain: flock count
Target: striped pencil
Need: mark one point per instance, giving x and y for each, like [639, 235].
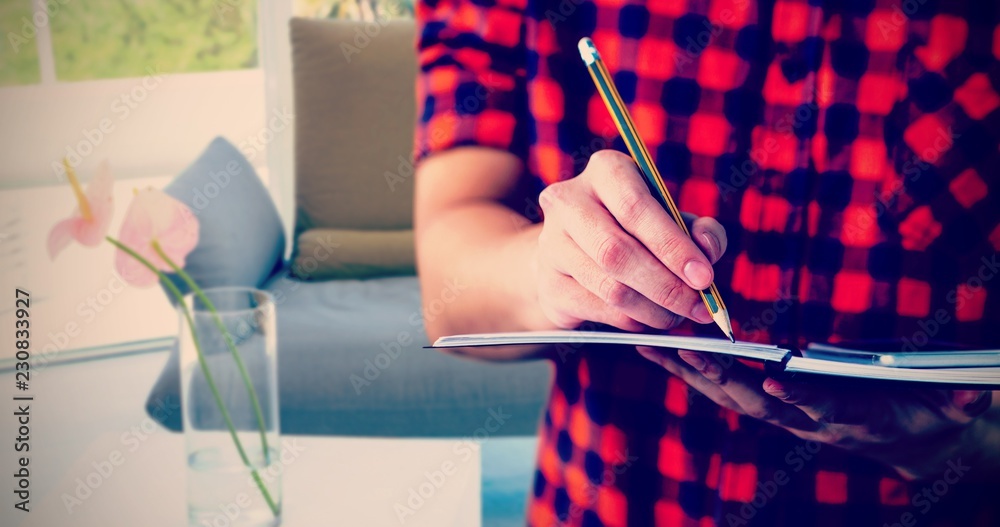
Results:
[623, 120]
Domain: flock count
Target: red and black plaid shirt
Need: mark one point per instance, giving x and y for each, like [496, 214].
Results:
[849, 149]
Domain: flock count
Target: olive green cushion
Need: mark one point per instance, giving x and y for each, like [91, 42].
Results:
[354, 119]
[354, 115]
[323, 254]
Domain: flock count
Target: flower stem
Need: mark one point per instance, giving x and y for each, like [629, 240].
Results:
[255, 402]
[204, 366]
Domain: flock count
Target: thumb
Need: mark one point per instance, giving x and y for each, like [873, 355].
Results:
[708, 234]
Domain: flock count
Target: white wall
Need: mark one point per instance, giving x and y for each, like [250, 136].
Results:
[152, 126]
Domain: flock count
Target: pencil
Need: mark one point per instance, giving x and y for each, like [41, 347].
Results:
[636, 146]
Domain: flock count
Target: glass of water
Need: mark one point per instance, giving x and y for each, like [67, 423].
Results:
[230, 407]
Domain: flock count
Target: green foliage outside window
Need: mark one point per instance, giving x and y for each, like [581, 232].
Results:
[102, 39]
[99, 39]
[18, 52]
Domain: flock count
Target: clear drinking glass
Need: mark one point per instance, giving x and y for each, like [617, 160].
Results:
[229, 360]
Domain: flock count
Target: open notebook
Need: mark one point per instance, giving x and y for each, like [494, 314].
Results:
[947, 367]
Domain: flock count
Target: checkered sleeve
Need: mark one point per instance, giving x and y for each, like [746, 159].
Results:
[471, 79]
[947, 181]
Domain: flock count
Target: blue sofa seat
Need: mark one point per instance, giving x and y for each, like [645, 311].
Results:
[352, 361]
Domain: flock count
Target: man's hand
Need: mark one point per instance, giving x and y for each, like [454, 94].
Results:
[915, 430]
[608, 252]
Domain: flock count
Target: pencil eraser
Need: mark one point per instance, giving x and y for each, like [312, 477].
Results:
[588, 51]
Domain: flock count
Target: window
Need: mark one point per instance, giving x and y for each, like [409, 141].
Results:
[68, 40]
[145, 84]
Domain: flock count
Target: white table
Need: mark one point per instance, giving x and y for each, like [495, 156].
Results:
[84, 412]
[327, 481]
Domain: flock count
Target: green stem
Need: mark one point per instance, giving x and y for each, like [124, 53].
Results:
[204, 366]
[229, 343]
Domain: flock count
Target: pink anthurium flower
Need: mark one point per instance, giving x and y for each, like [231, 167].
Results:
[157, 235]
[154, 216]
[89, 222]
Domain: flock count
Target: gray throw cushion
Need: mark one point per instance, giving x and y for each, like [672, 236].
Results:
[241, 241]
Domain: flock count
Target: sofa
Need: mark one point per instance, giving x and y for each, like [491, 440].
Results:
[351, 356]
